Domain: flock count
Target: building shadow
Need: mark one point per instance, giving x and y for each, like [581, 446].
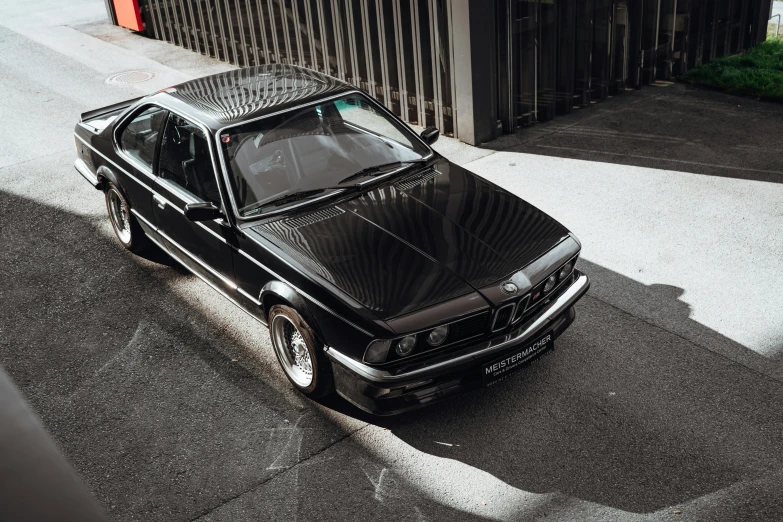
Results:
[163, 411]
[167, 415]
[671, 127]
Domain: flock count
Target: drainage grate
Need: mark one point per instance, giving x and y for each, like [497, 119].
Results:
[315, 217]
[417, 179]
[130, 77]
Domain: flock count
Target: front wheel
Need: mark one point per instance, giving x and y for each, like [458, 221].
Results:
[300, 353]
[125, 226]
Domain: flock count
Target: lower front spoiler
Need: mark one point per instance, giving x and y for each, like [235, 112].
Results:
[382, 393]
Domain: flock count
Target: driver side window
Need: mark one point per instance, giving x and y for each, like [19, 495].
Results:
[185, 159]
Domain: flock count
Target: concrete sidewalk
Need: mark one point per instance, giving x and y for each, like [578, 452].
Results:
[663, 396]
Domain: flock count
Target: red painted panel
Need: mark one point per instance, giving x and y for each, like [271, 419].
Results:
[128, 14]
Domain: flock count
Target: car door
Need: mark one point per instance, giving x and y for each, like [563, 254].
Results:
[186, 174]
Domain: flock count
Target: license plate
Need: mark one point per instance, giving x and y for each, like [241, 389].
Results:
[497, 370]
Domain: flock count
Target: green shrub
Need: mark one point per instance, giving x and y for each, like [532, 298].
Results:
[758, 73]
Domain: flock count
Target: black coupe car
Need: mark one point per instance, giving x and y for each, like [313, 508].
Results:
[384, 272]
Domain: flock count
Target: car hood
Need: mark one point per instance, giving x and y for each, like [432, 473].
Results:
[433, 236]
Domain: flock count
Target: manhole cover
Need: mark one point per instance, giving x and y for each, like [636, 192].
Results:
[130, 77]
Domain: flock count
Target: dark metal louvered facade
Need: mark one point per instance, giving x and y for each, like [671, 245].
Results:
[473, 68]
[555, 56]
[399, 51]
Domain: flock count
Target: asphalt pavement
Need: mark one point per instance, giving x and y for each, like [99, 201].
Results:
[662, 402]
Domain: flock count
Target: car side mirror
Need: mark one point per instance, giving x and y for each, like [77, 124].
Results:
[202, 211]
[430, 135]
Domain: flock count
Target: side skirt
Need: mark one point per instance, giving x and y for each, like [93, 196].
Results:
[194, 272]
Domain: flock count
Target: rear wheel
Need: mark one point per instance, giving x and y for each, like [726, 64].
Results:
[125, 226]
[300, 353]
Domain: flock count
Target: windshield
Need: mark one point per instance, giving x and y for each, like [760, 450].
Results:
[313, 149]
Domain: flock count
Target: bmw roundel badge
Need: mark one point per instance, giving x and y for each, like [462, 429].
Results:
[509, 287]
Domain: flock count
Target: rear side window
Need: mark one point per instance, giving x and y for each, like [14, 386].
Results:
[140, 136]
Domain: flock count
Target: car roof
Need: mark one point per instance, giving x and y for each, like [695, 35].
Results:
[233, 97]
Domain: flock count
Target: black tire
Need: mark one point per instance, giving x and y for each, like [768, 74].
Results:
[123, 222]
[284, 325]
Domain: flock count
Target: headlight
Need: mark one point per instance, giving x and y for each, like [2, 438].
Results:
[377, 351]
[438, 335]
[566, 270]
[405, 345]
[550, 283]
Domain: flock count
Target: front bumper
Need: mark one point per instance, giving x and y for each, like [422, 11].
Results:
[384, 393]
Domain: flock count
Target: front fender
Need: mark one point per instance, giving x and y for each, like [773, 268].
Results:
[331, 327]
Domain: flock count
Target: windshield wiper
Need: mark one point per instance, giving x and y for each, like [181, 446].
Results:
[378, 169]
[304, 194]
[283, 200]
[295, 196]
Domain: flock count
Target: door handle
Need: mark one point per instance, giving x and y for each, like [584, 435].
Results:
[159, 201]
